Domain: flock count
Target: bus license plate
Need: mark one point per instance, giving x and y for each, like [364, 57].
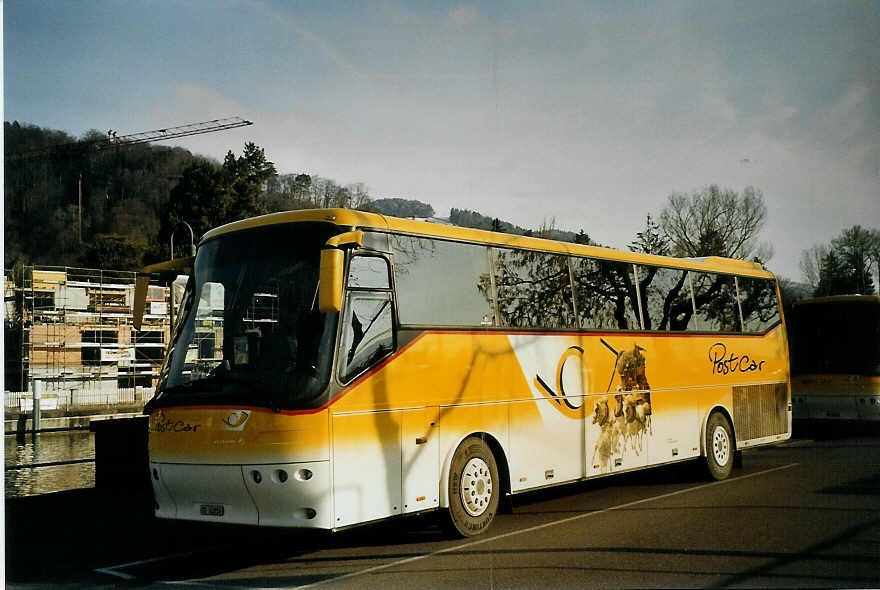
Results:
[211, 510]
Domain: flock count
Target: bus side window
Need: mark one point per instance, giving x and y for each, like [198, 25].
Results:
[442, 283]
[758, 301]
[606, 294]
[666, 299]
[534, 289]
[715, 299]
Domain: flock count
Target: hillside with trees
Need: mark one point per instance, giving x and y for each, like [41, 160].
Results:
[117, 209]
[547, 229]
[403, 208]
[122, 195]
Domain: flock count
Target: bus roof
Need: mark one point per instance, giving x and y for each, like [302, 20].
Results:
[376, 221]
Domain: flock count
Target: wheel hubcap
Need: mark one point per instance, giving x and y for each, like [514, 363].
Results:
[720, 445]
[476, 486]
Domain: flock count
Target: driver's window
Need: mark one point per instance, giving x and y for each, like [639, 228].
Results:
[367, 334]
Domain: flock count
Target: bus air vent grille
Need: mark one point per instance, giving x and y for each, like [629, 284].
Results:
[760, 410]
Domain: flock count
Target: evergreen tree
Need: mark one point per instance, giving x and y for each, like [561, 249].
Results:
[245, 178]
[855, 247]
[650, 240]
[844, 267]
[583, 237]
[115, 252]
[199, 199]
[834, 277]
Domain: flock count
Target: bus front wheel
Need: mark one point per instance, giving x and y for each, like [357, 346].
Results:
[720, 446]
[474, 488]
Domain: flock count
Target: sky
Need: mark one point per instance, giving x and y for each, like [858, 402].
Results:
[587, 115]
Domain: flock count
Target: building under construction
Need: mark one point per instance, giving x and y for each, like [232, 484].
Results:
[70, 338]
[78, 346]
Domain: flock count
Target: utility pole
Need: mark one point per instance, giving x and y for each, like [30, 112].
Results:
[79, 224]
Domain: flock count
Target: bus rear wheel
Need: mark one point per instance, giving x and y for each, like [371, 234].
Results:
[720, 446]
[474, 488]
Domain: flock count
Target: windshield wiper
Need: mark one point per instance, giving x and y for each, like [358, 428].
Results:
[222, 373]
[223, 379]
[194, 387]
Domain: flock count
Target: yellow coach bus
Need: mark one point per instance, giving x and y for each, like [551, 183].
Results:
[331, 368]
[835, 358]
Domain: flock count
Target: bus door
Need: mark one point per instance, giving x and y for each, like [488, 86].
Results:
[420, 446]
[547, 435]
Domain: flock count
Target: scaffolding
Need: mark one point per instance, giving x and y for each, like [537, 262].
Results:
[79, 348]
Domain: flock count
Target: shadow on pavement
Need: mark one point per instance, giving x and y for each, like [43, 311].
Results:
[63, 537]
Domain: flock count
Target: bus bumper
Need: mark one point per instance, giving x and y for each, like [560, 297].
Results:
[282, 495]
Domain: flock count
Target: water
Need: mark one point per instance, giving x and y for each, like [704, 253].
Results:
[44, 448]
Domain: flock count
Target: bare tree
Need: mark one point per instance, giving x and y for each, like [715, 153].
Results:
[715, 222]
[322, 191]
[548, 226]
[302, 184]
[341, 198]
[811, 264]
[359, 196]
[875, 253]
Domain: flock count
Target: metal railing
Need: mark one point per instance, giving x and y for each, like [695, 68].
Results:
[22, 401]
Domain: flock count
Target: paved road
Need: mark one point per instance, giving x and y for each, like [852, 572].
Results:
[806, 513]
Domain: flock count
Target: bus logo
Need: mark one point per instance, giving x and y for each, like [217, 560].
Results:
[236, 420]
[567, 402]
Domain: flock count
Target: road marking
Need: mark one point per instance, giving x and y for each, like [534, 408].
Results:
[531, 529]
[111, 571]
[797, 443]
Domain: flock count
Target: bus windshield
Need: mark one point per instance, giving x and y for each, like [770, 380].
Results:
[250, 331]
[836, 338]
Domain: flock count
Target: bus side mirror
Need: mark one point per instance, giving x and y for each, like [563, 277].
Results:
[332, 265]
[330, 290]
[167, 270]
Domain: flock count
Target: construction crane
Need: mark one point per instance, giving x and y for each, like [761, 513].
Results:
[114, 141]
